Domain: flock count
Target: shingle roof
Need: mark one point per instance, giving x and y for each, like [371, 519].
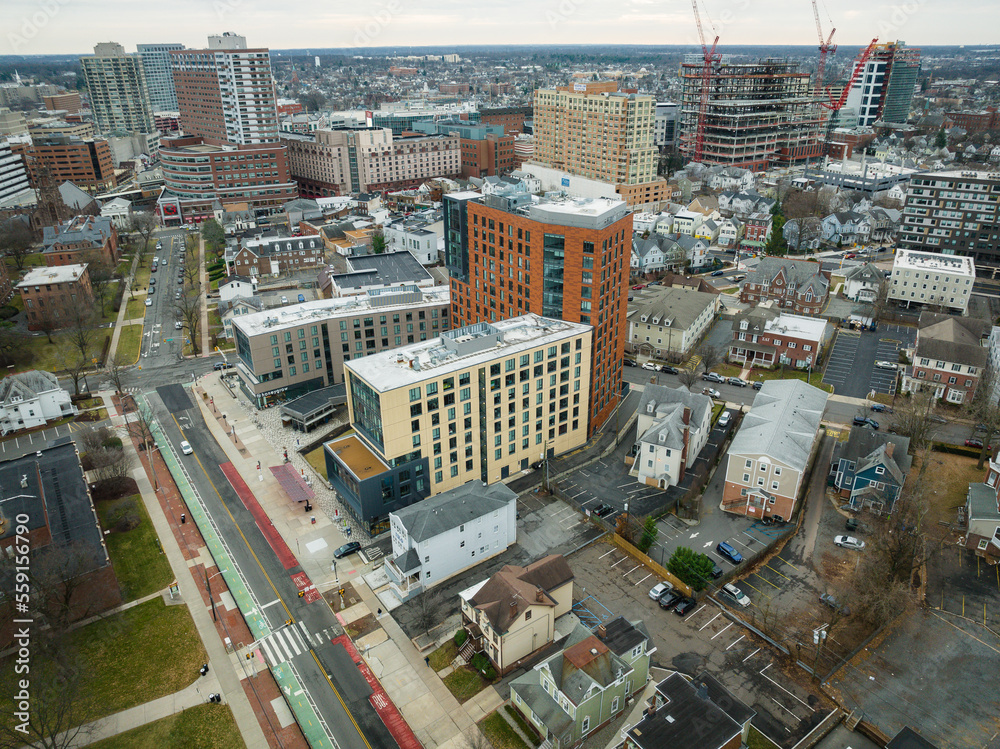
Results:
[867, 272]
[511, 590]
[677, 308]
[463, 504]
[952, 339]
[27, 384]
[802, 273]
[782, 423]
[668, 406]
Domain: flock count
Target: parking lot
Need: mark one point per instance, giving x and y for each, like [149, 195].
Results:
[961, 583]
[851, 363]
[608, 583]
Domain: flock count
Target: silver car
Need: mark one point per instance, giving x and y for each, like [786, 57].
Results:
[849, 542]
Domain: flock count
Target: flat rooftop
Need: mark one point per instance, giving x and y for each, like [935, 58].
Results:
[935, 261]
[353, 453]
[460, 349]
[293, 315]
[55, 274]
[797, 325]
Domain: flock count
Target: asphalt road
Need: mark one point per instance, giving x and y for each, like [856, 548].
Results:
[339, 696]
[161, 343]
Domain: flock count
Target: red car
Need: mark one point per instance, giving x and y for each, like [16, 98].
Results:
[640, 286]
[850, 256]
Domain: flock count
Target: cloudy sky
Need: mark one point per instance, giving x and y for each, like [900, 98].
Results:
[74, 26]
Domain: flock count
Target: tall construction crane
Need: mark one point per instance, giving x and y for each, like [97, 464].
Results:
[825, 47]
[836, 105]
[710, 56]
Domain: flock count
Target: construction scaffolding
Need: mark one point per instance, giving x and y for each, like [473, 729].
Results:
[759, 114]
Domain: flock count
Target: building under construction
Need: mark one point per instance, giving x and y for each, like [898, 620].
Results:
[757, 114]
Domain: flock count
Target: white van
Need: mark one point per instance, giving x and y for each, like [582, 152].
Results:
[736, 593]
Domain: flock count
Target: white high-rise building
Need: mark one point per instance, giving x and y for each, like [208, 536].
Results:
[13, 177]
[159, 78]
[119, 97]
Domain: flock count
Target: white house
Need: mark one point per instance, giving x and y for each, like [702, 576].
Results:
[233, 287]
[230, 308]
[862, 282]
[730, 232]
[30, 399]
[732, 178]
[418, 235]
[673, 427]
[443, 535]
[932, 278]
[685, 222]
[119, 211]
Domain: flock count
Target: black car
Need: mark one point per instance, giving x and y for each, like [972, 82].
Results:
[881, 408]
[716, 571]
[538, 464]
[758, 385]
[684, 606]
[603, 510]
[669, 599]
[346, 549]
[669, 370]
[221, 365]
[629, 363]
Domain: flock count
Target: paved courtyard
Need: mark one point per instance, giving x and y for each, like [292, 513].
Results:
[851, 362]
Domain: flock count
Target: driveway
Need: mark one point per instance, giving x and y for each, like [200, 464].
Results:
[851, 363]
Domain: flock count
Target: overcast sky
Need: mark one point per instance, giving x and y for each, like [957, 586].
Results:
[74, 26]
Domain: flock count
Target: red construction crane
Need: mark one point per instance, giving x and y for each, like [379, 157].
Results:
[825, 47]
[837, 105]
[710, 57]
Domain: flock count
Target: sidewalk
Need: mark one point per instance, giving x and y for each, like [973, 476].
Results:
[123, 309]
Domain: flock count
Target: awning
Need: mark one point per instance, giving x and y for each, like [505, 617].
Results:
[293, 484]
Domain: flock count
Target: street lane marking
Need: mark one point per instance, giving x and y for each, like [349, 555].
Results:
[276, 600]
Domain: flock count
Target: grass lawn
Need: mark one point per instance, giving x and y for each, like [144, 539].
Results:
[465, 683]
[139, 564]
[129, 341]
[136, 308]
[499, 732]
[205, 727]
[34, 260]
[138, 655]
[17, 302]
[945, 483]
[525, 727]
[733, 370]
[38, 353]
[717, 409]
[99, 414]
[444, 655]
[316, 460]
[89, 403]
[757, 740]
[141, 277]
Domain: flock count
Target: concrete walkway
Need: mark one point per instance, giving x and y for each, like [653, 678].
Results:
[123, 310]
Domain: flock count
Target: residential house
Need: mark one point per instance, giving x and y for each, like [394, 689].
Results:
[732, 178]
[664, 223]
[769, 457]
[81, 239]
[742, 204]
[730, 232]
[802, 234]
[862, 283]
[441, 536]
[654, 254]
[277, 255]
[673, 427]
[696, 713]
[419, 234]
[511, 616]
[709, 231]
[119, 211]
[30, 399]
[54, 296]
[573, 694]
[982, 515]
[666, 322]
[692, 249]
[234, 286]
[949, 356]
[686, 222]
[799, 286]
[756, 231]
[842, 227]
[870, 468]
[883, 224]
[235, 307]
[764, 336]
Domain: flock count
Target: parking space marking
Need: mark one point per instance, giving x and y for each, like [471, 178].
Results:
[788, 563]
[751, 655]
[612, 551]
[622, 486]
[776, 572]
[632, 570]
[785, 709]
[737, 541]
[802, 702]
[734, 643]
[709, 621]
[752, 538]
[618, 562]
[721, 631]
[592, 499]
[645, 578]
[703, 607]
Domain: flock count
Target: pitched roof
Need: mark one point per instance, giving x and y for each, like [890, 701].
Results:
[672, 307]
[463, 504]
[27, 385]
[511, 590]
[982, 502]
[952, 339]
[803, 273]
[667, 406]
[868, 272]
[782, 423]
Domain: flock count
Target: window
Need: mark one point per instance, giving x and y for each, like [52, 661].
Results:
[527, 615]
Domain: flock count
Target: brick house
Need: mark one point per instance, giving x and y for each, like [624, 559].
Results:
[763, 336]
[82, 239]
[756, 231]
[950, 355]
[276, 255]
[52, 296]
[797, 286]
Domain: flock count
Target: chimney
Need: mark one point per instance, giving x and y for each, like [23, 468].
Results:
[651, 711]
[539, 595]
[703, 691]
[889, 447]
[602, 631]
[687, 416]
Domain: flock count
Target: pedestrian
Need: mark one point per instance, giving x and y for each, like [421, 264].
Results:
[184, 518]
[378, 614]
[427, 661]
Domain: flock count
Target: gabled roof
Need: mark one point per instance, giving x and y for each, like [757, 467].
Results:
[782, 423]
[868, 272]
[667, 405]
[431, 517]
[513, 589]
[803, 273]
[673, 307]
[74, 197]
[27, 385]
[952, 339]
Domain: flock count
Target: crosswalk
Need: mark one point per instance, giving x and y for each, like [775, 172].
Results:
[282, 645]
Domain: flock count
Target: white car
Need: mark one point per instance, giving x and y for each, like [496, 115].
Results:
[156, 260]
[737, 594]
[711, 393]
[659, 589]
[886, 365]
[849, 542]
[284, 300]
[651, 366]
[149, 302]
[723, 420]
[178, 325]
[186, 447]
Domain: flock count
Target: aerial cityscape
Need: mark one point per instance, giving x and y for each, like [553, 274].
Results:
[532, 376]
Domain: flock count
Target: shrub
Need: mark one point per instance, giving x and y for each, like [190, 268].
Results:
[489, 673]
[480, 662]
[460, 637]
[112, 443]
[690, 567]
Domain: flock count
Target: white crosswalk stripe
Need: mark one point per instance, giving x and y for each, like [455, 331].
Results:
[283, 645]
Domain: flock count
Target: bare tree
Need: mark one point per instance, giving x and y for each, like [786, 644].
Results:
[427, 609]
[46, 323]
[189, 309]
[111, 466]
[711, 357]
[877, 307]
[116, 370]
[82, 332]
[914, 418]
[687, 377]
[101, 275]
[16, 241]
[143, 224]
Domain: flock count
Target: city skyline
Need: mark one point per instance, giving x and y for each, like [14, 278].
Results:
[68, 28]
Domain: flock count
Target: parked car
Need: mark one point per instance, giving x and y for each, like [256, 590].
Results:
[152, 281]
[973, 442]
[603, 510]
[849, 542]
[723, 421]
[629, 363]
[651, 366]
[738, 595]
[883, 364]
[684, 605]
[186, 447]
[737, 381]
[669, 599]
[284, 300]
[149, 302]
[538, 464]
[850, 256]
[639, 286]
[178, 325]
[659, 590]
[828, 599]
[881, 408]
[713, 377]
[860, 421]
[758, 385]
[346, 549]
[717, 272]
[716, 571]
[152, 268]
[221, 365]
[851, 524]
[711, 393]
[666, 369]
[159, 245]
[729, 552]
[302, 297]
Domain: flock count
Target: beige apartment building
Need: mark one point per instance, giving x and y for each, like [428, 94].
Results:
[481, 403]
[595, 131]
[286, 352]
